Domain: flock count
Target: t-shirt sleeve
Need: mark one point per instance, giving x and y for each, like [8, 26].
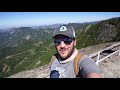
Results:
[87, 65]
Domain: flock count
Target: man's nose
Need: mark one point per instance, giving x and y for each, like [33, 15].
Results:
[62, 44]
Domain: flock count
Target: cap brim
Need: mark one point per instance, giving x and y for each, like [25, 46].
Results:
[65, 35]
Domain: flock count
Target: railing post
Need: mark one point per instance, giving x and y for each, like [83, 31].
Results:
[119, 53]
[98, 58]
[97, 63]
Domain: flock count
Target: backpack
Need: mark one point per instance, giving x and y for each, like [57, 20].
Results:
[76, 62]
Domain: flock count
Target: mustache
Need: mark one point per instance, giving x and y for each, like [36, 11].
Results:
[63, 49]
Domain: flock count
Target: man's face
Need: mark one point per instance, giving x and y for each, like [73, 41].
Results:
[64, 46]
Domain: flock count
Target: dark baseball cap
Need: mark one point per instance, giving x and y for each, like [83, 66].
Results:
[66, 30]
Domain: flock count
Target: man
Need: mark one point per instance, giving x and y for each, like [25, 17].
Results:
[62, 65]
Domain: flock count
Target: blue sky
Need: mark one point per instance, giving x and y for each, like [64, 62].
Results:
[17, 19]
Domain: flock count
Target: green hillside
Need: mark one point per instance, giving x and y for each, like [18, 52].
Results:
[28, 56]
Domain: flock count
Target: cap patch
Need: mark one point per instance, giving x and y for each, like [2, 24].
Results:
[63, 28]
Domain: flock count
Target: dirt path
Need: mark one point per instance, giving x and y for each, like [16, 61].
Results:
[40, 72]
[110, 67]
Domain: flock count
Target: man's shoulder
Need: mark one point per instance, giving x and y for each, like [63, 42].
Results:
[85, 59]
[53, 58]
[83, 56]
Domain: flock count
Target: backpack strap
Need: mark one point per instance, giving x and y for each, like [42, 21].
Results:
[76, 62]
[53, 59]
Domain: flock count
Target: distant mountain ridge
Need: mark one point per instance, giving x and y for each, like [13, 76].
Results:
[52, 26]
[47, 26]
[12, 37]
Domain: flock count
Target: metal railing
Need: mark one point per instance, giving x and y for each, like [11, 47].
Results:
[101, 51]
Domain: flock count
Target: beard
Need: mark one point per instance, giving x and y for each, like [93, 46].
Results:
[65, 53]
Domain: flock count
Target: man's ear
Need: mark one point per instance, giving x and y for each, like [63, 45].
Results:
[75, 42]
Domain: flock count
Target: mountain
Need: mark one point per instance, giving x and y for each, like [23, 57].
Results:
[25, 48]
[2, 30]
[18, 35]
[47, 26]
[101, 32]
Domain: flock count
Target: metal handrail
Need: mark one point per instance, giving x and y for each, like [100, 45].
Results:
[113, 46]
[118, 51]
[99, 52]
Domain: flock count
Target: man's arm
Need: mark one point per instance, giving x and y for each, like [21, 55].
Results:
[89, 69]
[94, 75]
